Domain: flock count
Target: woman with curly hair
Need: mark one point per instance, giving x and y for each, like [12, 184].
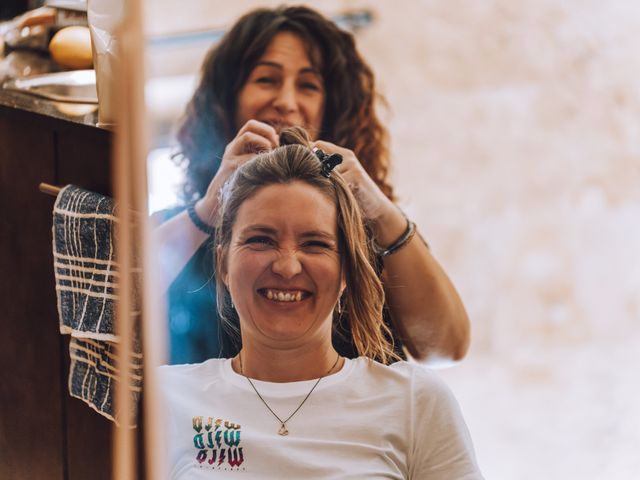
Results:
[278, 68]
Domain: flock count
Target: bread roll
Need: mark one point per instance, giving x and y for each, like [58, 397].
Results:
[71, 48]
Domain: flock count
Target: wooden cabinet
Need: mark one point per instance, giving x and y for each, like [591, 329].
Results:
[44, 433]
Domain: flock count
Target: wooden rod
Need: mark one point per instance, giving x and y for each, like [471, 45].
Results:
[49, 189]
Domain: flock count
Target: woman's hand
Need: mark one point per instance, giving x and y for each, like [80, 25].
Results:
[253, 138]
[179, 238]
[423, 303]
[375, 205]
[388, 222]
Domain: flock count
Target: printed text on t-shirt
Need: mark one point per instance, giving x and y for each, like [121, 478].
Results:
[217, 443]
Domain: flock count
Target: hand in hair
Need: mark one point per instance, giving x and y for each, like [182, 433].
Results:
[254, 137]
[372, 201]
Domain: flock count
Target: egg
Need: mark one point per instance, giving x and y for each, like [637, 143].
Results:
[70, 47]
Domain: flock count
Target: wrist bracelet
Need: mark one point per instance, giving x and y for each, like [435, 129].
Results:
[401, 242]
[197, 221]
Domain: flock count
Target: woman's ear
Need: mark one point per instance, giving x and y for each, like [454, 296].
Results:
[221, 261]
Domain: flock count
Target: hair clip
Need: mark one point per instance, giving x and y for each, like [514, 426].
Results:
[329, 162]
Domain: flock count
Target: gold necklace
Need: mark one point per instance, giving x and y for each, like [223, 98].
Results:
[283, 423]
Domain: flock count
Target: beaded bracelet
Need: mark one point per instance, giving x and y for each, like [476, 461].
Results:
[197, 221]
[400, 243]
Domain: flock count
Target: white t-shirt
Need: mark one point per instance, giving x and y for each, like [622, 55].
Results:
[366, 421]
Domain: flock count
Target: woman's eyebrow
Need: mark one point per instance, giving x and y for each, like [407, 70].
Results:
[319, 234]
[267, 63]
[259, 229]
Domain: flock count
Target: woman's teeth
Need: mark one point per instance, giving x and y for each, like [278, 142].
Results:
[280, 296]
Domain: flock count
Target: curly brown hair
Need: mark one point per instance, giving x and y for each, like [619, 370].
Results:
[349, 118]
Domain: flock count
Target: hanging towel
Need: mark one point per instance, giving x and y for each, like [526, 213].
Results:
[92, 374]
[84, 260]
[86, 274]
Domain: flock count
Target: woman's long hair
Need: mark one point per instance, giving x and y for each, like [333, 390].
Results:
[364, 295]
[349, 119]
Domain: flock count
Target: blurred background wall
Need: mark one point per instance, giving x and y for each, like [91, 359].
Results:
[515, 132]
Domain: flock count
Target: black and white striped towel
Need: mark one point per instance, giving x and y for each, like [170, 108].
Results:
[92, 374]
[85, 265]
[86, 274]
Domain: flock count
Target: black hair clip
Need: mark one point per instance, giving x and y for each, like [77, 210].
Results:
[329, 162]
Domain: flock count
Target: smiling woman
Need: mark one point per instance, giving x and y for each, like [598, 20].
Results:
[276, 406]
[297, 251]
[284, 88]
[287, 267]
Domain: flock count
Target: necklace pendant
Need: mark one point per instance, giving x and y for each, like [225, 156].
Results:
[283, 430]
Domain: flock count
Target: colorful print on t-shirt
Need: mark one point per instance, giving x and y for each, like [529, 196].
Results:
[217, 444]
